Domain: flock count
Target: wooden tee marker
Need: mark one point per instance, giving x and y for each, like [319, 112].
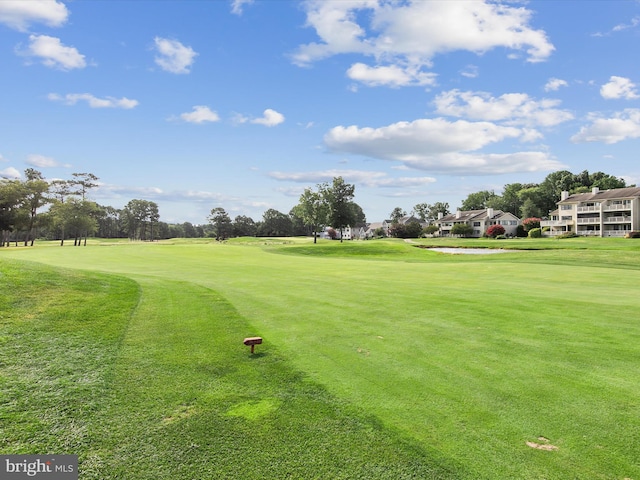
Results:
[252, 341]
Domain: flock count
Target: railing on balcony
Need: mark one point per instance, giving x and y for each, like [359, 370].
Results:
[589, 220]
[617, 206]
[614, 233]
[622, 219]
[589, 209]
[554, 223]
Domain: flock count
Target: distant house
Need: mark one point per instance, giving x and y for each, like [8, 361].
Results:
[479, 220]
[606, 213]
[372, 228]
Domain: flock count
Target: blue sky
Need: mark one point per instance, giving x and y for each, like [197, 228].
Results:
[198, 104]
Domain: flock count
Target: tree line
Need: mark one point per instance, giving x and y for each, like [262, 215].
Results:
[72, 216]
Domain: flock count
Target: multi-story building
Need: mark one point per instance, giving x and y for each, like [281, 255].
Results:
[480, 220]
[606, 213]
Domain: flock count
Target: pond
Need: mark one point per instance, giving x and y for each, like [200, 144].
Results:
[469, 251]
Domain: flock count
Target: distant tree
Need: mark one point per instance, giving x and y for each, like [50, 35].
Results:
[479, 200]
[35, 191]
[338, 196]
[413, 230]
[313, 209]
[462, 229]
[430, 229]
[221, 223]
[427, 212]
[140, 217]
[397, 214]
[82, 183]
[359, 218]
[188, 230]
[10, 198]
[244, 226]
[398, 230]
[275, 224]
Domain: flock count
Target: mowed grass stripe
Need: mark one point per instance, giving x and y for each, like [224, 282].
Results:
[180, 396]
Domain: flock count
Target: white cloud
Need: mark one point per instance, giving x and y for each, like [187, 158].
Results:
[619, 87]
[635, 21]
[173, 56]
[361, 177]
[511, 108]
[40, 161]
[270, 118]
[622, 126]
[237, 6]
[53, 53]
[470, 71]
[438, 145]
[413, 33]
[392, 75]
[554, 84]
[200, 114]
[10, 173]
[94, 102]
[19, 14]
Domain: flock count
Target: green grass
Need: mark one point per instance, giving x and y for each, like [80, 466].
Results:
[454, 363]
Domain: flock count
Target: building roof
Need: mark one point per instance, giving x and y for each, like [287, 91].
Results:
[628, 192]
[467, 215]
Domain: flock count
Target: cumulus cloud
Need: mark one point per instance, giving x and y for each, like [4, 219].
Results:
[391, 75]
[622, 126]
[554, 84]
[20, 14]
[410, 34]
[362, 177]
[40, 161]
[10, 173]
[439, 145]
[93, 101]
[619, 87]
[270, 118]
[511, 108]
[200, 114]
[53, 53]
[173, 56]
[237, 6]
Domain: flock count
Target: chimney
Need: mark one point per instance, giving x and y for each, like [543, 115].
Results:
[564, 195]
[440, 215]
[458, 213]
[595, 190]
[490, 212]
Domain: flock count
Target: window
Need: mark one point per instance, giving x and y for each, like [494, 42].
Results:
[476, 224]
[566, 207]
[567, 217]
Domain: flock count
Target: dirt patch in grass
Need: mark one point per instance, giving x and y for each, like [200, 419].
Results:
[544, 445]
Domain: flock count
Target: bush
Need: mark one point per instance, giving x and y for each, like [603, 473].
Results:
[520, 231]
[535, 233]
[567, 235]
[494, 230]
[531, 223]
[462, 229]
[501, 237]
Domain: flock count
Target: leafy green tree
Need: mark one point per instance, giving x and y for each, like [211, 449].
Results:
[359, 218]
[10, 198]
[338, 196]
[479, 200]
[427, 212]
[244, 226]
[313, 209]
[35, 191]
[221, 223]
[397, 214]
[75, 218]
[462, 229]
[139, 218]
[275, 224]
[82, 183]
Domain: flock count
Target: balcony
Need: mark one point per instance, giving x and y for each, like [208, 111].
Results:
[555, 223]
[621, 219]
[588, 209]
[588, 220]
[616, 207]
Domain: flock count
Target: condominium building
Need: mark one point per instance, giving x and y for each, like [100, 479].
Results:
[606, 213]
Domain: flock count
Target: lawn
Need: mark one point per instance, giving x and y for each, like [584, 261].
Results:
[419, 364]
